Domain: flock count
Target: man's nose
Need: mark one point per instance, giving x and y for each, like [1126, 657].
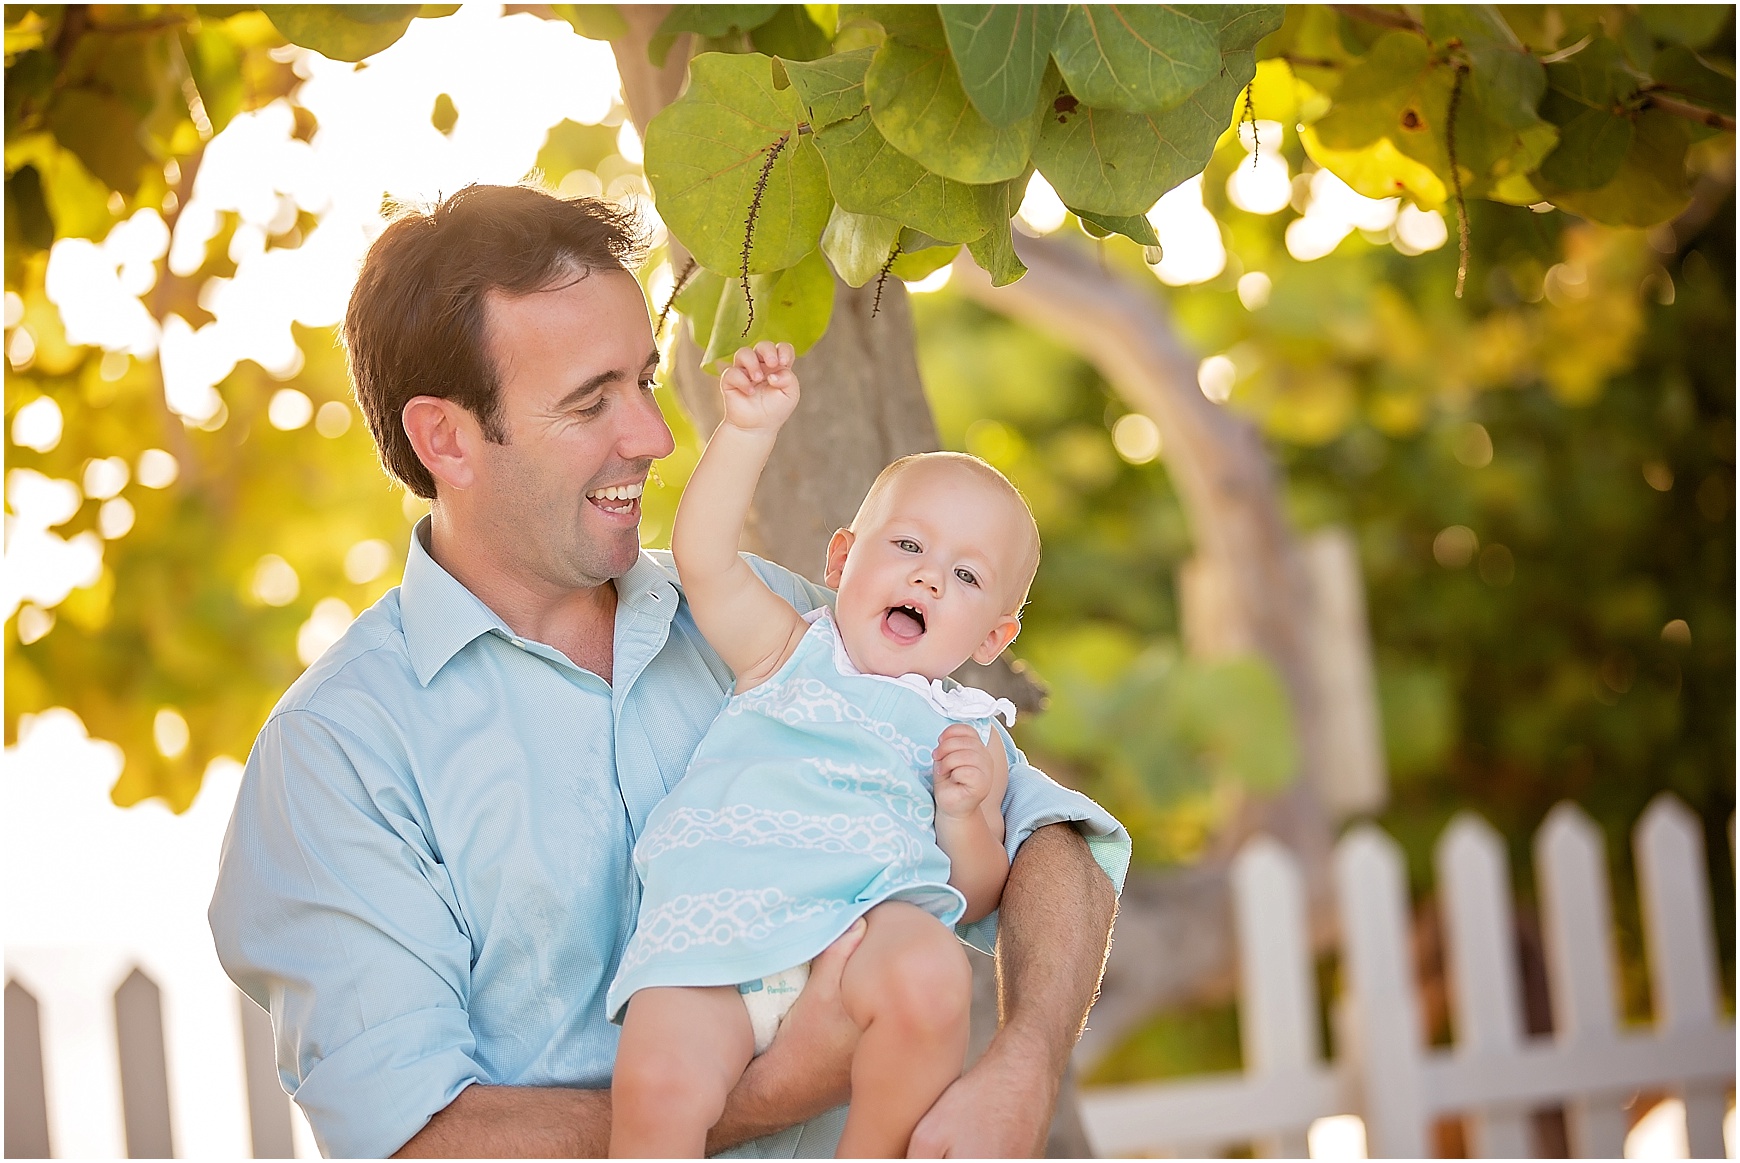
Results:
[645, 435]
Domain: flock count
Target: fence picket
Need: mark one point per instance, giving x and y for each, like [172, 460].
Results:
[1474, 889]
[1277, 996]
[1577, 931]
[144, 1068]
[269, 1128]
[1681, 947]
[1371, 882]
[26, 1096]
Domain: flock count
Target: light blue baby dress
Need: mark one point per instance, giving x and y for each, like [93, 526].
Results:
[807, 803]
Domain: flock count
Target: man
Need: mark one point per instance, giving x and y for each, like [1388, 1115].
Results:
[427, 879]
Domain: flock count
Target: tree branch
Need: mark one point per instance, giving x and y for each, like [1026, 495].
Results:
[1371, 14]
[1657, 99]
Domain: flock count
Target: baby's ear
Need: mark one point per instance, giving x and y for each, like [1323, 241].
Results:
[839, 545]
[997, 640]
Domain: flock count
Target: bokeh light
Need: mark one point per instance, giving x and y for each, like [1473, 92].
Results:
[1189, 236]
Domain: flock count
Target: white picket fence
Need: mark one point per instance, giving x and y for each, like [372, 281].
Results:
[1494, 1075]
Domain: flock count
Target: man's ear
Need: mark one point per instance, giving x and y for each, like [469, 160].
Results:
[997, 640]
[444, 434]
[838, 546]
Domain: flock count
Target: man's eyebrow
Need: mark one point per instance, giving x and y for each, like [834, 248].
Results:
[602, 379]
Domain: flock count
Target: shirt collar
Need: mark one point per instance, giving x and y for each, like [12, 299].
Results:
[441, 617]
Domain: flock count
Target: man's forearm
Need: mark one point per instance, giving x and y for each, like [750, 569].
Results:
[1054, 930]
[516, 1122]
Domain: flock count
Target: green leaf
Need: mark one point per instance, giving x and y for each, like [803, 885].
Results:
[1135, 227]
[994, 251]
[920, 108]
[792, 35]
[791, 306]
[1112, 163]
[869, 176]
[1690, 25]
[1684, 72]
[705, 154]
[104, 133]
[1137, 58]
[593, 21]
[698, 302]
[1650, 185]
[912, 265]
[709, 20]
[342, 32]
[215, 60]
[27, 216]
[1243, 25]
[858, 244]
[832, 89]
[1583, 93]
[1001, 51]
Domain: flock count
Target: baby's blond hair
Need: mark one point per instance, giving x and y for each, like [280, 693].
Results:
[1030, 528]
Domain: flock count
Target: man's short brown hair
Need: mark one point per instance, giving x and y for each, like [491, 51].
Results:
[416, 324]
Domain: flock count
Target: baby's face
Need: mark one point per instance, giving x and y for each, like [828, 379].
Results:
[933, 576]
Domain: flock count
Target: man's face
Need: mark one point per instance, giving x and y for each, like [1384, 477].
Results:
[575, 364]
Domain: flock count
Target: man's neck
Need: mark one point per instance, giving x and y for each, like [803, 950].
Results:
[578, 621]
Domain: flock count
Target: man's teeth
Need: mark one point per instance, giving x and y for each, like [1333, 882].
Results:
[617, 493]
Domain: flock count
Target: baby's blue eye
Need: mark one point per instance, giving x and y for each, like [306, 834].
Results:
[908, 545]
[966, 575]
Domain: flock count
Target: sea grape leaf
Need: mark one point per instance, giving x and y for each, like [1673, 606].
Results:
[832, 89]
[791, 306]
[1649, 187]
[1107, 162]
[1001, 51]
[858, 244]
[994, 250]
[869, 176]
[1135, 227]
[792, 34]
[342, 32]
[1378, 170]
[710, 20]
[27, 216]
[1583, 95]
[1689, 25]
[1684, 72]
[593, 21]
[1475, 25]
[920, 108]
[698, 302]
[705, 153]
[1138, 58]
[1243, 25]
[913, 265]
[104, 133]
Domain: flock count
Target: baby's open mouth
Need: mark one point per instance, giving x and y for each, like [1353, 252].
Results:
[904, 623]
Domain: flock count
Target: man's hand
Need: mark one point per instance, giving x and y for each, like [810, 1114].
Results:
[760, 388]
[1000, 1109]
[808, 1069]
[964, 771]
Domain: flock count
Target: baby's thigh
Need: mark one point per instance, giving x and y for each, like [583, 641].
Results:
[909, 968]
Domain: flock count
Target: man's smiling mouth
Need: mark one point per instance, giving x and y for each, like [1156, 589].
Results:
[618, 498]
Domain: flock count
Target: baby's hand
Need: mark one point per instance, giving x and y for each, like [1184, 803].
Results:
[964, 767]
[760, 387]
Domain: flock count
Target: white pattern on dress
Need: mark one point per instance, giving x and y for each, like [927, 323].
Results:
[908, 800]
[745, 826]
[719, 919]
[810, 700]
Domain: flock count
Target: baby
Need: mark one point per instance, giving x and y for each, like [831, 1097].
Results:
[843, 779]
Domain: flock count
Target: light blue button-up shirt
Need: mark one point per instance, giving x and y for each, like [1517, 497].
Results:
[427, 879]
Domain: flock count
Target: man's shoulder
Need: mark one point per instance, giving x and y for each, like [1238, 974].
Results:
[368, 662]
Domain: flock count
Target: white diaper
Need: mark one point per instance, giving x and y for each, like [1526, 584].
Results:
[770, 999]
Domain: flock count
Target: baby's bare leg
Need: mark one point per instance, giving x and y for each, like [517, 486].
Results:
[682, 1050]
[909, 988]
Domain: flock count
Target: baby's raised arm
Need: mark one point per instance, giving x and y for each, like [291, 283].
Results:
[751, 627]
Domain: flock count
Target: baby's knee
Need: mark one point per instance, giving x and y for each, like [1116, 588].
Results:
[660, 1083]
[929, 985]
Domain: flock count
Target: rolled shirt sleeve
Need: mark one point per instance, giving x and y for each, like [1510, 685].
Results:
[1034, 800]
[332, 911]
